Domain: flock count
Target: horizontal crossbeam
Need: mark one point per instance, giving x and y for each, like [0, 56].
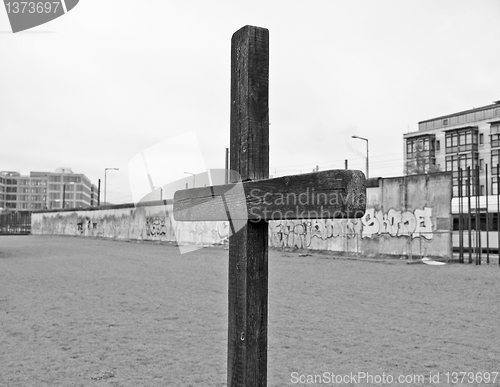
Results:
[330, 194]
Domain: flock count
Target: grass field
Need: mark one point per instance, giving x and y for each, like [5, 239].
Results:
[88, 312]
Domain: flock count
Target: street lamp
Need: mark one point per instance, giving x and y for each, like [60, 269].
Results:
[105, 170]
[161, 192]
[194, 178]
[365, 139]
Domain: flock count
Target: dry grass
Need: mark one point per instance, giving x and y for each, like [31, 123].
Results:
[86, 312]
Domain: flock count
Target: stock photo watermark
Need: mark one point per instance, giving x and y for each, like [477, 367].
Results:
[367, 378]
[24, 15]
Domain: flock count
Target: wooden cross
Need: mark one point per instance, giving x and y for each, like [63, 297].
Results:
[251, 201]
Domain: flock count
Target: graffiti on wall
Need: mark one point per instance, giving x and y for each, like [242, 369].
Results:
[204, 233]
[394, 223]
[87, 225]
[324, 234]
[156, 226]
[398, 223]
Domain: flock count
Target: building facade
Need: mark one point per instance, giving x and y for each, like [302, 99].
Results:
[2, 191]
[457, 141]
[46, 190]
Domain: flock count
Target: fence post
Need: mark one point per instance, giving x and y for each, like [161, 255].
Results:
[487, 219]
[478, 215]
[460, 217]
[498, 213]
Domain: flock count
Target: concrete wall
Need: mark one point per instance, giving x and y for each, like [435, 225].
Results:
[405, 216]
[147, 221]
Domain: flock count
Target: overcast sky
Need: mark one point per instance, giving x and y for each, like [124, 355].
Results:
[110, 79]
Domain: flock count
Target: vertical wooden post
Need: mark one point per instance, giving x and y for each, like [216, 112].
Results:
[249, 156]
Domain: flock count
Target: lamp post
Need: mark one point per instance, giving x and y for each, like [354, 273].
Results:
[105, 170]
[194, 178]
[367, 162]
[161, 192]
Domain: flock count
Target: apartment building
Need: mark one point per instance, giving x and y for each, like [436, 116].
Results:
[457, 141]
[46, 190]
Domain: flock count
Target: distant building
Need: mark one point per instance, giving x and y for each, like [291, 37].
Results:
[2, 191]
[46, 190]
[469, 138]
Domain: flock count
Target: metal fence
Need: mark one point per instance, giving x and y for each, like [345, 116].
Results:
[15, 223]
[476, 222]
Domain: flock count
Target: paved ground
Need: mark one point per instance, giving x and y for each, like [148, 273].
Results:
[87, 312]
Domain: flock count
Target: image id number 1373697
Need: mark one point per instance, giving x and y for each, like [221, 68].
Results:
[32, 7]
[471, 377]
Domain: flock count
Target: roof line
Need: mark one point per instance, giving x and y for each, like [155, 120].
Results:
[495, 104]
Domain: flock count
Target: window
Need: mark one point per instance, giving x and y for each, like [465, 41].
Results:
[445, 121]
[451, 163]
[481, 138]
[462, 161]
[438, 145]
[461, 140]
[495, 135]
[481, 164]
[494, 160]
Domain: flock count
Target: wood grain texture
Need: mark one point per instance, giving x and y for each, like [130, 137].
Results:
[322, 195]
[248, 247]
